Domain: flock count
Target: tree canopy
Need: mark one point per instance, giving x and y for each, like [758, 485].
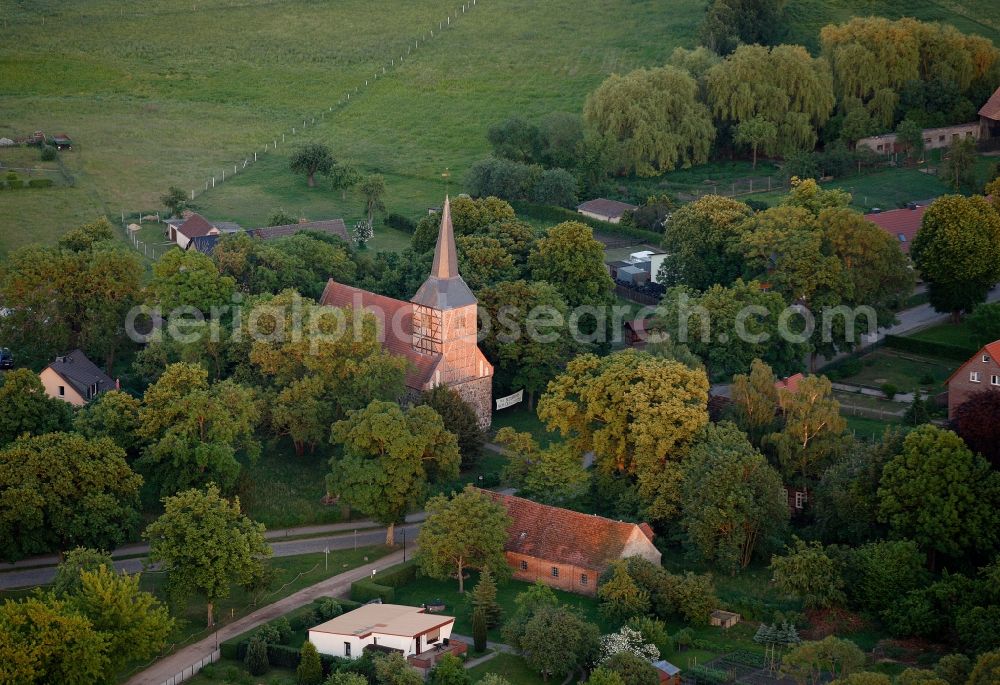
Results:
[653, 120]
[311, 159]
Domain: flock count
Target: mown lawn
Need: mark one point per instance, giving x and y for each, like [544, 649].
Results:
[906, 370]
[509, 666]
[524, 420]
[957, 334]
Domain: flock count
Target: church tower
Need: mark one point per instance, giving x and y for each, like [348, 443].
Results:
[445, 323]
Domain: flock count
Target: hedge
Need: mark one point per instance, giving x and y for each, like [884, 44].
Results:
[384, 583]
[401, 223]
[560, 214]
[15, 183]
[40, 183]
[935, 349]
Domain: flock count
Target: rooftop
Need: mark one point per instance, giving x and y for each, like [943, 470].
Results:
[991, 110]
[81, 373]
[901, 224]
[385, 619]
[605, 207]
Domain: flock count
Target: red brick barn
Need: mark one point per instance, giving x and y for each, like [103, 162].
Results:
[568, 550]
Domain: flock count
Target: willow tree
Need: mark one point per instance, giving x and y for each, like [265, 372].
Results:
[783, 85]
[873, 58]
[653, 119]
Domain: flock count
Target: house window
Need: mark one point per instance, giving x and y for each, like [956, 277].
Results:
[347, 649]
[941, 138]
[902, 238]
[974, 376]
[994, 380]
[555, 571]
[583, 579]
[986, 358]
[524, 566]
[800, 500]
[62, 391]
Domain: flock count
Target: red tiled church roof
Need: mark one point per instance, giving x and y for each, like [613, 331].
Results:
[395, 325]
[900, 222]
[564, 536]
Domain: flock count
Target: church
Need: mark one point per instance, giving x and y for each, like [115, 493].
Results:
[435, 331]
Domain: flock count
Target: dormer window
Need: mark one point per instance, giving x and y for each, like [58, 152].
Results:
[986, 358]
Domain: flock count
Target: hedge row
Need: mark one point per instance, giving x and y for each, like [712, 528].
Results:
[936, 349]
[277, 655]
[401, 223]
[384, 583]
[16, 183]
[560, 214]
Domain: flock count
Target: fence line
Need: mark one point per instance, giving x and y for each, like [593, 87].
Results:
[382, 70]
[192, 670]
[635, 295]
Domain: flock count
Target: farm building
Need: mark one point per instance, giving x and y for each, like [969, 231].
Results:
[206, 243]
[565, 549]
[667, 672]
[981, 371]
[989, 121]
[723, 619]
[182, 232]
[435, 331]
[420, 637]
[934, 138]
[605, 210]
[75, 379]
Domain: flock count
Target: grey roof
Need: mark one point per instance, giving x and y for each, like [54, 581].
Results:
[444, 288]
[81, 373]
[666, 667]
[228, 226]
[632, 270]
[605, 207]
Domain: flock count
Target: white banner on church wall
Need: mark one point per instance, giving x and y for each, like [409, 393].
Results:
[510, 400]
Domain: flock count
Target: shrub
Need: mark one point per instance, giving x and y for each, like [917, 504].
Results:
[927, 379]
[283, 656]
[889, 390]
[366, 590]
[310, 670]
[850, 367]
[14, 183]
[284, 629]
[268, 633]
[401, 223]
[307, 619]
[256, 658]
[329, 608]
[40, 183]
[234, 649]
[479, 629]
[934, 349]
[713, 676]
[48, 153]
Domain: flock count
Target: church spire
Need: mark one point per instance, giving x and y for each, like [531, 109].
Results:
[445, 259]
[444, 288]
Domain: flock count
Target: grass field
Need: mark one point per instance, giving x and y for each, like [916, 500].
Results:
[905, 370]
[957, 334]
[509, 666]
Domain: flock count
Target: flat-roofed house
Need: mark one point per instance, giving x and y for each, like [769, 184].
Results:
[75, 379]
[405, 629]
[566, 549]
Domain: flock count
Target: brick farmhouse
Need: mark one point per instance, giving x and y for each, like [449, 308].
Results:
[565, 549]
[981, 371]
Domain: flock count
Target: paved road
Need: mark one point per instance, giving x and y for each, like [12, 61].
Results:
[371, 536]
[337, 586]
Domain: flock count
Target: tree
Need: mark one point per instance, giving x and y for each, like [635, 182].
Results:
[986, 670]
[755, 399]
[309, 670]
[881, 572]
[449, 544]
[175, 200]
[939, 494]
[977, 422]
[373, 188]
[134, 622]
[556, 187]
[188, 278]
[604, 676]
[449, 670]
[525, 348]
[716, 326]
[88, 237]
[392, 669]
[621, 598]
[44, 642]
[730, 23]
[807, 572]
[984, 320]
[527, 603]
[572, 260]
[515, 139]
[280, 217]
[629, 640]
[206, 543]
[75, 562]
[701, 240]
[756, 132]
[27, 409]
[911, 135]
[345, 678]
[459, 418]
[863, 678]
[554, 475]
[837, 656]
[958, 168]
[387, 459]
[732, 501]
[653, 120]
[556, 640]
[813, 427]
[954, 669]
[694, 597]
[256, 659]
[195, 429]
[479, 628]
[60, 490]
[559, 134]
[115, 415]
[484, 598]
[343, 176]
[636, 412]
[311, 159]
[783, 85]
[957, 250]
[633, 669]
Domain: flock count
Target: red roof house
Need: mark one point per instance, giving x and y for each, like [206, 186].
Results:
[791, 384]
[566, 549]
[980, 372]
[901, 224]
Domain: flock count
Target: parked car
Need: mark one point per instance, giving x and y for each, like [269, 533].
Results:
[6, 358]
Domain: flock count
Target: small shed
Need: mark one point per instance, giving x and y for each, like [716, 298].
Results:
[724, 619]
[669, 674]
[633, 274]
[62, 141]
[613, 267]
